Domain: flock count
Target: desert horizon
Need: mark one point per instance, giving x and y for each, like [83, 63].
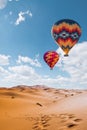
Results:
[42, 108]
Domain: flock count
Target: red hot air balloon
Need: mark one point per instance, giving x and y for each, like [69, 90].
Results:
[51, 58]
[66, 33]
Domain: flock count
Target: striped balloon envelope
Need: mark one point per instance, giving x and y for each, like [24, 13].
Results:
[51, 58]
[66, 34]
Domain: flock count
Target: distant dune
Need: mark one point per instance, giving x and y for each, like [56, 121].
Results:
[42, 108]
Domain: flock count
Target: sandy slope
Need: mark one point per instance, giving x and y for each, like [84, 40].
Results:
[41, 108]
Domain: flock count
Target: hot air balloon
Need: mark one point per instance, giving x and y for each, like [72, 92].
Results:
[66, 33]
[51, 58]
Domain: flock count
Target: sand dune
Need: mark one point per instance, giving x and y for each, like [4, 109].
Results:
[42, 108]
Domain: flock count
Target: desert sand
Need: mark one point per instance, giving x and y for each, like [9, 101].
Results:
[42, 108]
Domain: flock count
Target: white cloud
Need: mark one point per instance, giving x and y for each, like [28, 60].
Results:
[19, 73]
[73, 71]
[75, 65]
[3, 4]
[4, 60]
[22, 74]
[22, 70]
[3, 72]
[21, 17]
[33, 62]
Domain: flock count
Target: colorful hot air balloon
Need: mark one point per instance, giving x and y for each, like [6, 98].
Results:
[66, 33]
[51, 58]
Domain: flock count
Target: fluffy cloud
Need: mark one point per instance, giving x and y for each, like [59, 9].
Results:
[19, 73]
[33, 62]
[73, 71]
[22, 74]
[3, 72]
[22, 70]
[21, 16]
[3, 4]
[75, 65]
[4, 60]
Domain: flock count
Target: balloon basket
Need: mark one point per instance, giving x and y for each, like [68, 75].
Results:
[66, 55]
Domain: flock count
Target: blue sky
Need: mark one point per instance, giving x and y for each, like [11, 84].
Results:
[25, 35]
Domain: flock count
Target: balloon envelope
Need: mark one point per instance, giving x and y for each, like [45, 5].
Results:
[51, 58]
[66, 33]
